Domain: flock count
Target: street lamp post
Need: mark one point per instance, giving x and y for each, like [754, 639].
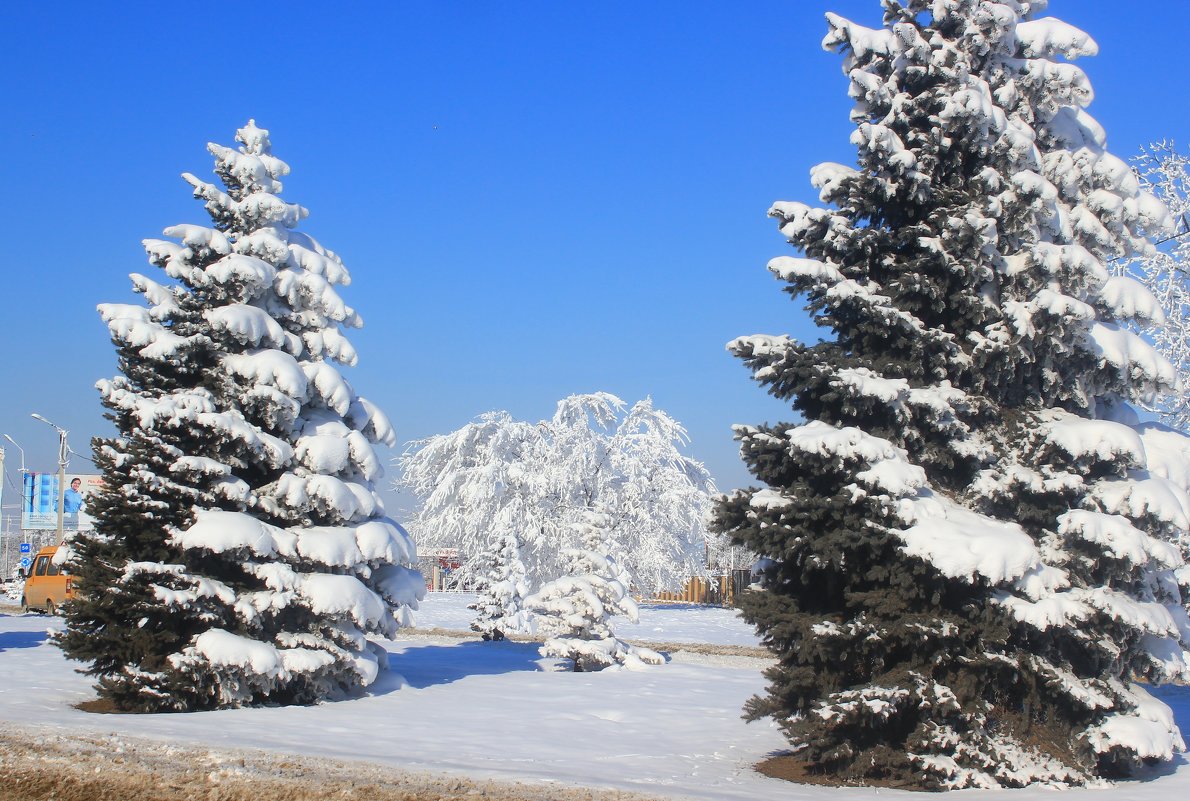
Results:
[19, 448]
[63, 452]
[24, 489]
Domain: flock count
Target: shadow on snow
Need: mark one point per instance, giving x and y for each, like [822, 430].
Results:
[428, 665]
[21, 639]
[1177, 697]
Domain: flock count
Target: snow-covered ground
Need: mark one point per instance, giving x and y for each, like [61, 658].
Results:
[498, 710]
[671, 623]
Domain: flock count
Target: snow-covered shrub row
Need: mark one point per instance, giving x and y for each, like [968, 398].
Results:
[241, 553]
[978, 553]
[499, 476]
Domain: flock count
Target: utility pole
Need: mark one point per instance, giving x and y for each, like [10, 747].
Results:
[19, 448]
[3, 536]
[23, 471]
[63, 453]
[6, 533]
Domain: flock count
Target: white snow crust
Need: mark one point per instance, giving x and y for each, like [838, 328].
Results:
[964, 544]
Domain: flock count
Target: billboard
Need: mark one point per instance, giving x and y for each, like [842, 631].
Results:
[39, 509]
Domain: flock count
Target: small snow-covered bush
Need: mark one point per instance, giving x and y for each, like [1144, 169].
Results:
[502, 590]
[574, 611]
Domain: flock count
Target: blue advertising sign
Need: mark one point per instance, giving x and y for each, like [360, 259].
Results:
[40, 507]
[26, 547]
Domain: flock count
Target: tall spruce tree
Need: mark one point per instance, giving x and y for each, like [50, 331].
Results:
[974, 546]
[240, 554]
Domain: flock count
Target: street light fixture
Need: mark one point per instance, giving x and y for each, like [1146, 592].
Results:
[63, 452]
[19, 448]
[24, 488]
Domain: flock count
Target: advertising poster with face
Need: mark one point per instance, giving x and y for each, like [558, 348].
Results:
[40, 507]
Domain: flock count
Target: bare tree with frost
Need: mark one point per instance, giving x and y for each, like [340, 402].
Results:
[241, 554]
[974, 553]
[1165, 171]
[574, 611]
[539, 478]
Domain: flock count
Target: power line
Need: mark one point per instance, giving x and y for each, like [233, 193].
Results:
[73, 452]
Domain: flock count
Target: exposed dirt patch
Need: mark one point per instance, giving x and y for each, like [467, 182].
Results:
[752, 651]
[792, 768]
[36, 765]
[99, 706]
[667, 647]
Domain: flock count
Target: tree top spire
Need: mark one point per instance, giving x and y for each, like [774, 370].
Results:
[255, 140]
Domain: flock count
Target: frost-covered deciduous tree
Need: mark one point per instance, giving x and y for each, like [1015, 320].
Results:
[241, 553]
[502, 587]
[660, 501]
[574, 611]
[973, 547]
[539, 478]
[1165, 171]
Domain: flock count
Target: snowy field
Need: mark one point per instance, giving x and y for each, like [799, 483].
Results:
[670, 623]
[499, 711]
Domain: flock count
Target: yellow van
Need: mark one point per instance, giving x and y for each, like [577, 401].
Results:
[48, 585]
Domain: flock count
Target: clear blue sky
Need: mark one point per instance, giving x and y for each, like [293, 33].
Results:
[534, 199]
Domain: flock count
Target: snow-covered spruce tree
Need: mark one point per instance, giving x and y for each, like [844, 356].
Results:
[502, 588]
[241, 554]
[970, 540]
[538, 478]
[1165, 171]
[574, 611]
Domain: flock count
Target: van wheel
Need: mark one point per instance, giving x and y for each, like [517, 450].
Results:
[25, 605]
[49, 607]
